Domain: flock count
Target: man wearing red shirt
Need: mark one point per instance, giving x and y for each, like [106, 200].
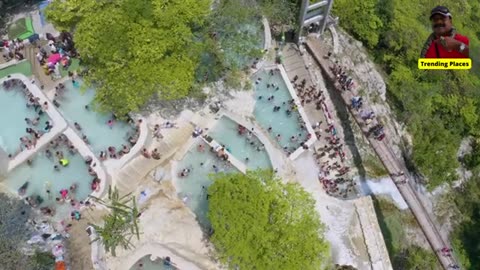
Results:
[444, 42]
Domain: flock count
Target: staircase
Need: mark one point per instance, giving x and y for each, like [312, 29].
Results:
[29, 54]
[133, 173]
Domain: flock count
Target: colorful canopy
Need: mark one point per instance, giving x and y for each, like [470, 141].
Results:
[54, 58]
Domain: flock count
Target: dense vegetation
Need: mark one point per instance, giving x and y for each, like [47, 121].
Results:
[260, 223]
[439, 107]
[394, 224]
[14, 231]
[134, 49]
[467, 234]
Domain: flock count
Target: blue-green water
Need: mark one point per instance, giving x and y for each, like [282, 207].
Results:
[12, 119]
[281, 124]
[93, 124]
[146, 264]
[193, 187]
[41, 176]
[240, 146]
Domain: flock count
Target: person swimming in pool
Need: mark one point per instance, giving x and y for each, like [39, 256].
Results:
[110, 123]
[77, 126]
[64, 162]
[23, 189]
[73, 187]
[185, 172]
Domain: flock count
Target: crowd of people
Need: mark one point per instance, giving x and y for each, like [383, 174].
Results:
[251, 140]
[58, 53]
[58, 151]
[332, 170]
[356, 103]
[34, 128]
[330, 157]
[346, 82]
[12, 49]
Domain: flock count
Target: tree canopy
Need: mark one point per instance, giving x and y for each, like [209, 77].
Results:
[418, 258]
[466, 234]
[134, 49]
[260, 223]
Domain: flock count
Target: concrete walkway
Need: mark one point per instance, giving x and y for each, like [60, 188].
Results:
[377, 249]
[390, 161]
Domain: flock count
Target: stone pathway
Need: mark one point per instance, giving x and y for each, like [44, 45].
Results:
[38, 71]
[78, 244]
[296, 65]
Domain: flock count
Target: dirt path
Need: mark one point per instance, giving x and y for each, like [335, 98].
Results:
[78, 245]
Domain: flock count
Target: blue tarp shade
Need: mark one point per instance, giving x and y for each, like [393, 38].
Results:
[33, 38]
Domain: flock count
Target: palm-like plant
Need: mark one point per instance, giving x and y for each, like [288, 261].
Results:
[121, 224]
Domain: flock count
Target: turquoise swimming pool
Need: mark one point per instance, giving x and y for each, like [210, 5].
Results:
[193, 188]
[247, 147]
[42, 176]
[92, 124]
[284, 123]
[12, 119]
[146, 264]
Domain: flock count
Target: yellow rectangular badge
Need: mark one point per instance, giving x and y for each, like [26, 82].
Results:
[444, 63]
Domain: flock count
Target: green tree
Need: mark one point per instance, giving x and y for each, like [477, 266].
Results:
[434, 153]
[418, 258]
[465, 237]
[281, 13]
[360, 18]
[42, 261]
[260, 223]
[134, 50]
[121, 224]
[472, 159]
